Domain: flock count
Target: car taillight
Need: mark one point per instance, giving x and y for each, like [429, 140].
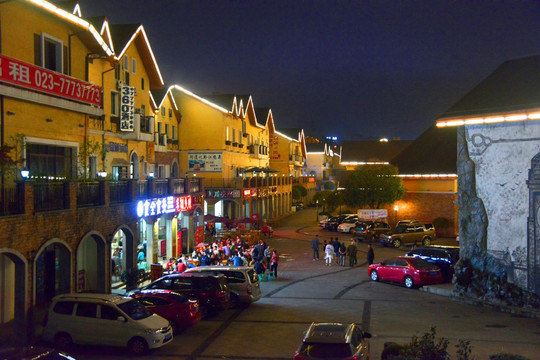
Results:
[249, 289]
[299, 357]
[221, 293]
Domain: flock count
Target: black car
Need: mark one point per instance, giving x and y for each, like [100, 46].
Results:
[212, 292]
[445, 257]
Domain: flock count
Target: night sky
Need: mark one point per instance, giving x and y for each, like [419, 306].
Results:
[353, 69]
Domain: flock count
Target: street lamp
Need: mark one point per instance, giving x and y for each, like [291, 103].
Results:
[25, 173]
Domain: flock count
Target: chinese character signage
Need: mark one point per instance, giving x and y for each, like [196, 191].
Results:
[46, 81]
[223, 194]
[274, 143]
[205, 162]
[164, 205]
[127, 108]
[373, 214]
[183, 203]
[250, 192]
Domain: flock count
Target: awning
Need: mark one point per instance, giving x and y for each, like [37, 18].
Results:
[119, 162]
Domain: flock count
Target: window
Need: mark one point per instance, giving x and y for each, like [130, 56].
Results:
[234, 135]
[115, 101]
[50, 160]
[159, 126]
[133, 65]
[125, 63]
[109, 313]
[240, 137]
[163, 111]
[51, 53]
[167, 130]
[64, 307]
[142, 83]
[174, 132]
[170, 113]
[86, 309]
[92, 166]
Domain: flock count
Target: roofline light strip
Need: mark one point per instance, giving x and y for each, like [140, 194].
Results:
[187, 92]
[364, 162]
[133, 37]
[75, 20]
[285, 136]
[489, 119]
[105, 29]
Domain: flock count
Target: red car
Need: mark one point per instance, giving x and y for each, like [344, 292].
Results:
[411, 271]
[180, 310]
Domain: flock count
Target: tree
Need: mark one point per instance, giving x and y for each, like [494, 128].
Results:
[329, 185]
[298, 191]
[373, 186]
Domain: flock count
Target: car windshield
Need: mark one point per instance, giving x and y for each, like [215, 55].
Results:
[327, 350]
[135, 310]
[420, 264]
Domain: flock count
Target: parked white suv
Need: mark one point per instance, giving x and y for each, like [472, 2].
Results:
[348, 224]
[243, 281]
[104, 319]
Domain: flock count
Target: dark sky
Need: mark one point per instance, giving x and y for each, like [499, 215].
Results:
[355, 69]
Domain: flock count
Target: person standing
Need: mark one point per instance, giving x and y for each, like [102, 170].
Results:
[329, 254]
[370, 254]
[275, 261]
[315, 246]
[342, 253]
[336, 244]
[351, 252]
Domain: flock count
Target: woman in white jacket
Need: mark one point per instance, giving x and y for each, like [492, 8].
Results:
[329, 254]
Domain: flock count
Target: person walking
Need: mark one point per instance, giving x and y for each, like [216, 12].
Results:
[329, 254]
[351, 252]
[315, 246]
[370, 254]
[275, 261]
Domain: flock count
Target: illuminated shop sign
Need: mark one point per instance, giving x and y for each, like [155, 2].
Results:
[223, 194]
[183, 203]
[163, 205]
[250, 192]
[46, 81]
[127, 108]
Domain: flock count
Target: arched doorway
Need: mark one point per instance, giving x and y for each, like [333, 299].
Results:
[91, 264]
[53, 271]
[174, 170]
[13, 282]
[134, 166]
[122, 259]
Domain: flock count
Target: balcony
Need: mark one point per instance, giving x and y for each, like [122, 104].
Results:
[144, 127]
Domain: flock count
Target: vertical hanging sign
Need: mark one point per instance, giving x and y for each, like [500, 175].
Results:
[127, 108]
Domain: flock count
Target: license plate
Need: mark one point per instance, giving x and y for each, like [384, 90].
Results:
[167, 337]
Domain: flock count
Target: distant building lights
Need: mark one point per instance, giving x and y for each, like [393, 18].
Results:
[383, 140]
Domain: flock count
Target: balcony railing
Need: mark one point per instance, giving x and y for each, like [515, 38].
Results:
[118, 192]
[178, 186]
[88, 194]
[9, 202]
[49, 196]
[161, 187]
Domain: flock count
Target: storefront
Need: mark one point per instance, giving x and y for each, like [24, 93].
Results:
[165, 229]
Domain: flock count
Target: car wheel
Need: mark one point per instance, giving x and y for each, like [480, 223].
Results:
[409, 283]
[374, 276]
[396, 243]
[174, 326]
[235, 301]
[62, 341]
[426, 242]
[137, 346]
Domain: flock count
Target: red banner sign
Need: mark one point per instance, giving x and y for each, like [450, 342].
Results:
[40, 79]
[183, 203]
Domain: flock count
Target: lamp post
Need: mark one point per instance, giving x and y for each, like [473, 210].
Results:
[396, 208]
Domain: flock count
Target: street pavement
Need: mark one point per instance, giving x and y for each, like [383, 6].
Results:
[308, 291]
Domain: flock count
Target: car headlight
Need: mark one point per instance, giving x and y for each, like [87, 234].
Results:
[152, 331]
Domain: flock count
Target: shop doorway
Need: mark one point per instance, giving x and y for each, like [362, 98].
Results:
[91, 265]
[53, 272]
[122, 258]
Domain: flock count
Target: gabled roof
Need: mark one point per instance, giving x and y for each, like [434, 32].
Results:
[226, 101]
[512, 87]
[434, 152]
[178, 89]
[371, 150]
[264, 116]
[291, 132]
[123, 35]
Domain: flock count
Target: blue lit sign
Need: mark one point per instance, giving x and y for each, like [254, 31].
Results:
[153, 207]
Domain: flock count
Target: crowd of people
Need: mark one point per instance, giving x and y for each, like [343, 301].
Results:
[337, 252]
[223, 252]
